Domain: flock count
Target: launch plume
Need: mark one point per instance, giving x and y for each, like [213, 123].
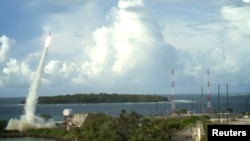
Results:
[29, 119]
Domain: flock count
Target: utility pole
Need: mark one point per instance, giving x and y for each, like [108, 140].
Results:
[192, 106]
[227, 104]
[246, 106]
[156, 106]
[208, 94]
[202, 100]
[173, 95]
[219, 102]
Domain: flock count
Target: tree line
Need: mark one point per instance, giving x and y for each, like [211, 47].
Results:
[99, 98]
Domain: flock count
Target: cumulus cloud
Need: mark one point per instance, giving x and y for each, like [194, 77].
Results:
[16, 74]
[237, 37]
[246, 1]
[221, 46]
[126, 49]
[5, 43]
[13, 72]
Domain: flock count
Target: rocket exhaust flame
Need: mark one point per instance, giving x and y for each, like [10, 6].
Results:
[29, 119]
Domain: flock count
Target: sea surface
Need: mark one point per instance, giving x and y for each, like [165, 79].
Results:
[11, 107]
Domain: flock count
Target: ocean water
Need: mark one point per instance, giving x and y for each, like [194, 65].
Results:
[11, 107]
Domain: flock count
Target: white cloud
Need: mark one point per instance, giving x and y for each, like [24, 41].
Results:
[220, 45]
[5, 43]
[246, 1]
[237, 41]
[238, 23]
[13, 73]
[126, 50]
[16, 74]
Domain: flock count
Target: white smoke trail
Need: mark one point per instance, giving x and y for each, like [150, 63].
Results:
[29, 119]
[31, 100]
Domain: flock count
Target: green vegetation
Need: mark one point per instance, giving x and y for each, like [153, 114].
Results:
[99, 98]
[3, 124]
[126, 127]
[46, 117]
[58, 133]
[181, 111]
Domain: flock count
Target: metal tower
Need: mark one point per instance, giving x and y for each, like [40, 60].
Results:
[173, 95]
[208, 94]
[202, 100]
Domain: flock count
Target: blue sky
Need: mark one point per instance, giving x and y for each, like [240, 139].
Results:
[125, 46]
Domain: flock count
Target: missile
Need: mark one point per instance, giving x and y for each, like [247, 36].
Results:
[47, 41]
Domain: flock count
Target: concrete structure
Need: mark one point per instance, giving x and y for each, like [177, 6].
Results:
[190, 133]
[198, 131]
[73, 120]
[78, 119]
[245, 120]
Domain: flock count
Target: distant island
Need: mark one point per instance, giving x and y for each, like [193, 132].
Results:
[99, 98]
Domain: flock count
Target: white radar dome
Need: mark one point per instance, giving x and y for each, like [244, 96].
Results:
[67, 112]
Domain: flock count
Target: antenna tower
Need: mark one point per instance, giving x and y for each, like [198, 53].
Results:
[208, 94]
[202, 100]
[173, 95]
